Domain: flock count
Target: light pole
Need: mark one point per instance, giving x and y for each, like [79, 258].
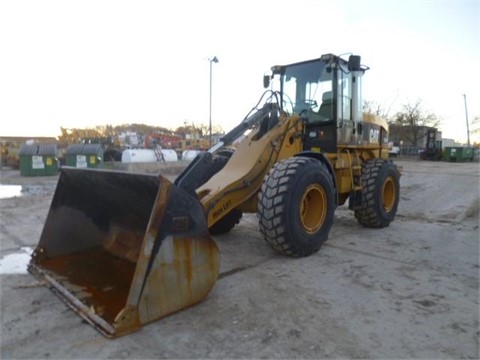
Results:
[466, 118]
[214, 60]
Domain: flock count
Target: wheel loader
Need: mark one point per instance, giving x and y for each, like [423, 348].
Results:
[124, 249]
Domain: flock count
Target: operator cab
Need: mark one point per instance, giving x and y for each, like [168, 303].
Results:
[326, 94]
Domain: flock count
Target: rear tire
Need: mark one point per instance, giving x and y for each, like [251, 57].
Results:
[296, 206]
[380, 194]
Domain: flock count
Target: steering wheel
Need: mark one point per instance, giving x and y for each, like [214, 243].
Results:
[312, 103]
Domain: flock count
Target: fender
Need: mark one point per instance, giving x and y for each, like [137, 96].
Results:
[323, 159]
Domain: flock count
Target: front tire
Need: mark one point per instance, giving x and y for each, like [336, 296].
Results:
[296, 206]
[380, 194]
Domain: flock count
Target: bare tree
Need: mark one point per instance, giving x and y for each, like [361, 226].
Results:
[203, 130]
[410, 123]
[375, 108]
[217, 129]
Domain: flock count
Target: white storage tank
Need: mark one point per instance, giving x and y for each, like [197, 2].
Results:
[189, 155]
[169, 155]
[148, 155]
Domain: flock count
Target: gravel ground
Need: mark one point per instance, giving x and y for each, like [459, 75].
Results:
[407, 291]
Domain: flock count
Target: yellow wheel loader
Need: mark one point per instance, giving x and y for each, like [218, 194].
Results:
[125, 249]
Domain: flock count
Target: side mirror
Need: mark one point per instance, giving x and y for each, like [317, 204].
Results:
[354, 63]
[266, 81]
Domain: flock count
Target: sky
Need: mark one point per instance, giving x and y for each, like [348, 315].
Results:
[78, 64]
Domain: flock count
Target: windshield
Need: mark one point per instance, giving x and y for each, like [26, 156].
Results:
[306, 86]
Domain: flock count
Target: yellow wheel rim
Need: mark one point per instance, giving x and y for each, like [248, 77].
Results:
[389, 194]
[313, 208]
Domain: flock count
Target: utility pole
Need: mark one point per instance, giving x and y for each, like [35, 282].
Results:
[214, 60]
[466, 118]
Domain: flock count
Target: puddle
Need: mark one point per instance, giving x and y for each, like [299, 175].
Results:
[9, 191]
[16, 263]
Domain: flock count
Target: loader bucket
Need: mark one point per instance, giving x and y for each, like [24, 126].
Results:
[124, 249]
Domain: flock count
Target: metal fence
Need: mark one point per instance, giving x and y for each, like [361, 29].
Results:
[410, 151]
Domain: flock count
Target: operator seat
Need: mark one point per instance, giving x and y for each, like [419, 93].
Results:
[326, 108]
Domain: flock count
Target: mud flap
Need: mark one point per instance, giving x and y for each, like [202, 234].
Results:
[124, 249]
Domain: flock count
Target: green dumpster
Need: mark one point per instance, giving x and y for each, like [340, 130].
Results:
[38, 160]
[459, 153]
[84, 155]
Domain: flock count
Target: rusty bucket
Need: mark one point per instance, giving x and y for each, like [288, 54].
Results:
[124, 249]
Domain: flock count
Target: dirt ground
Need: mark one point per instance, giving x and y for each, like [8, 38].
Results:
[407, 291]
